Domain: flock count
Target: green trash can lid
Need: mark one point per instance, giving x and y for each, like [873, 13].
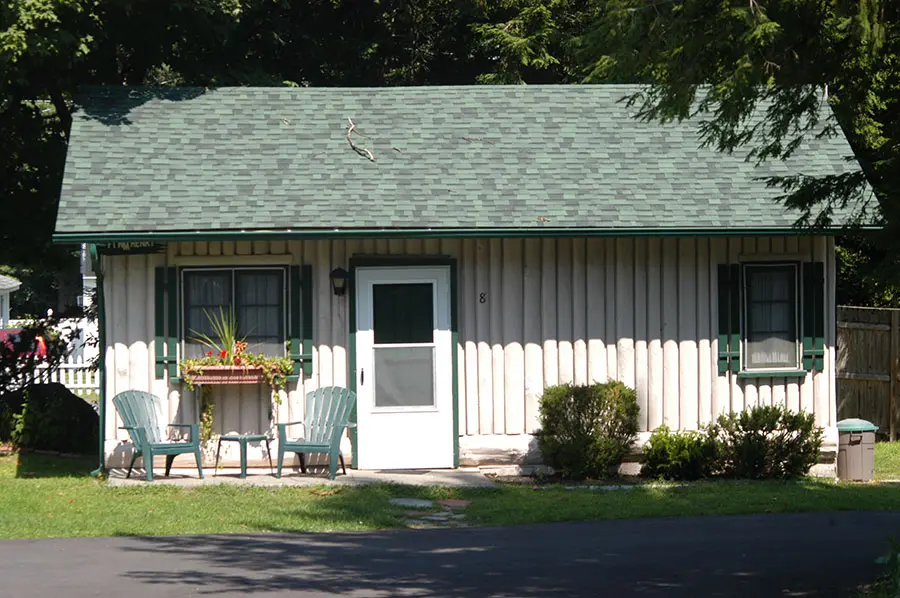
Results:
[856, 425]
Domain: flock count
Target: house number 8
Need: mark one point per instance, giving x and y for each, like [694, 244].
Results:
[482, 298]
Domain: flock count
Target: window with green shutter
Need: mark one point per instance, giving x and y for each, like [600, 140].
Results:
[271, 305]
[771, 318]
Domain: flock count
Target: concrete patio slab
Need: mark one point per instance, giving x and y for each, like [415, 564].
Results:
[187, 477]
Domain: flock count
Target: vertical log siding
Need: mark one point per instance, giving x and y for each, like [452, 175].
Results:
[532, 312]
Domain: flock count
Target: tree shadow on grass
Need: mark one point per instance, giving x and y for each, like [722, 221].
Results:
[32, 465]
[755, 555]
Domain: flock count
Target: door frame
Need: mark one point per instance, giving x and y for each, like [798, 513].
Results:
[395, 262]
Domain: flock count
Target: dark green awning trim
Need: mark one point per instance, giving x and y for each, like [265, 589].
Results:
[249, 235]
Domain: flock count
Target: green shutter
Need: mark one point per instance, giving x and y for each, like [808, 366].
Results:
[165, 321]
[159, 326]
[172, 318]
[307, 321]
[813, 316]
[301, 319]
[729, 290]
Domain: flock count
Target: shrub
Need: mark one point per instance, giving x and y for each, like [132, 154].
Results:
[682, 455]
[767, 442]
[586, 431]
[48, 417]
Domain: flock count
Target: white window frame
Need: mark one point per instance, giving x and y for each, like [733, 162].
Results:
[798, 302]
[284, 299]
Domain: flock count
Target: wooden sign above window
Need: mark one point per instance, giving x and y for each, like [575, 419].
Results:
[131, 248]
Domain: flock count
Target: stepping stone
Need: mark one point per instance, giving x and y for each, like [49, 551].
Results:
[455, 503]
[441, 517]
[411, 503]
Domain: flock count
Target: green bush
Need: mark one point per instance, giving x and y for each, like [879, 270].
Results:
[586, 431]
[48, 417]
[681, 455]
[767, 442]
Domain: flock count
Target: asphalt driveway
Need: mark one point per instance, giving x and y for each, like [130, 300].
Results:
[816, 554]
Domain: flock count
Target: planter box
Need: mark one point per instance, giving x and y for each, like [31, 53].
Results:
[228, 374]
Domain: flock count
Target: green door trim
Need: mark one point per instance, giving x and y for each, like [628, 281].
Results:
[390, 262]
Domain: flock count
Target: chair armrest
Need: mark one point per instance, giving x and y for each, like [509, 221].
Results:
[351, 424]
[193, 434]
[282, 429]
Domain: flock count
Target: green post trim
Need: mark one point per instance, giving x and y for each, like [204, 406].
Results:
[159, 303]
[172, 340]
[295, 319]
[306, 287]
[101, 340]
[374, 262]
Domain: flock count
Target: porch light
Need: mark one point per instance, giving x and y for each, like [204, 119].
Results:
[339, 278]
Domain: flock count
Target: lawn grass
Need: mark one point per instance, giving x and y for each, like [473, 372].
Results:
[45, 496]
[887, 460]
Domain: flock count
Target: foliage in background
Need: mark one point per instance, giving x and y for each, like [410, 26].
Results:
[767, 442]
[20, 357]
[680, 455]
[781, 51]
[586, 431]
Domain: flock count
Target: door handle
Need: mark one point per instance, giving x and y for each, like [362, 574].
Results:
[362, 376]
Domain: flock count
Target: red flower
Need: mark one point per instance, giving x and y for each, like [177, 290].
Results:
[223, 354]
[237, 361]
[209, 353]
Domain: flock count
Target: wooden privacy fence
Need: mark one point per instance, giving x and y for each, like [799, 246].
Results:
[868, 348]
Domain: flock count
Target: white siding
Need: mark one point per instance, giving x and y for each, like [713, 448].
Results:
[640, 310]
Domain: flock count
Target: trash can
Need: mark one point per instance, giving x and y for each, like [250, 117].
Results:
[856, 450]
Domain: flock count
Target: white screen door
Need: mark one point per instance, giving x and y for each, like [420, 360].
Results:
[404, 368]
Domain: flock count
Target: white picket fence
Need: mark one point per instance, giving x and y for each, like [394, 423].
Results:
[74, 373]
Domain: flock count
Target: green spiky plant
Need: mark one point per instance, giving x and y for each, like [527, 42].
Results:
[225, 329]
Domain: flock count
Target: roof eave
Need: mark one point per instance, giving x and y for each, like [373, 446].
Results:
[350, 233]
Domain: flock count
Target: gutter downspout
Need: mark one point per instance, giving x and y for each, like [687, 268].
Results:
[101, 341]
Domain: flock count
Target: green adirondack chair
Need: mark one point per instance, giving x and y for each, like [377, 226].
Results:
[327, 415]
[141, 412]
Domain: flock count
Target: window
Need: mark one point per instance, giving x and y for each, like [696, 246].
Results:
[771, 335]
[256, 297]
[771, 318]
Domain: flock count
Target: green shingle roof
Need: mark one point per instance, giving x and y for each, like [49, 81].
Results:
[275, 159]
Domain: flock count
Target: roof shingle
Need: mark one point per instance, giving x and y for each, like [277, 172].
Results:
[180, 159]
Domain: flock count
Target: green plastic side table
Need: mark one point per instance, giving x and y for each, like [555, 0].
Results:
[242, 440]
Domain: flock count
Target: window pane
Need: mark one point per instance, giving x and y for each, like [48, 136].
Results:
[259, 305]
[204, 294]
[404, 376]
[771, 313]
[403, 313]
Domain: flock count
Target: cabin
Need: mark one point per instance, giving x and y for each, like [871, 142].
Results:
[446, 253]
